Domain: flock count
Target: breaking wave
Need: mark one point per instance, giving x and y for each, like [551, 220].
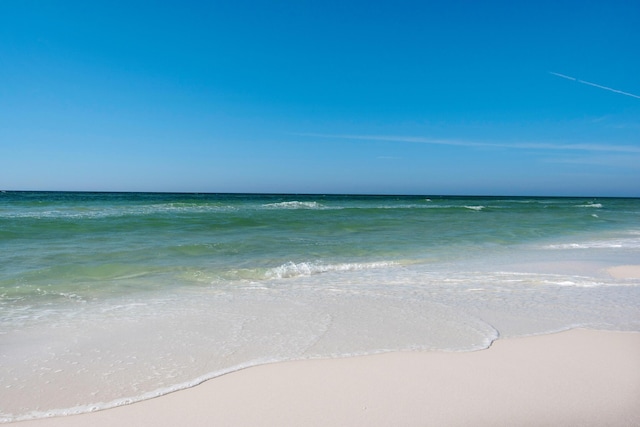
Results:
[294, 205]
[292, 269]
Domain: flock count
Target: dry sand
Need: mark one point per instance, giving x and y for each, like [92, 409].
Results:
[574, 378]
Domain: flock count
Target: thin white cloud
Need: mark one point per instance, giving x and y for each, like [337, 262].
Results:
[479, 144]
[611, 160]
[594, 85]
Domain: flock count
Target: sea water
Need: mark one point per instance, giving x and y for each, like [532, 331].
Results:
[111, 298]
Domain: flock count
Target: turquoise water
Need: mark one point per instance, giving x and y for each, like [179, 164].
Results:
[108, 298]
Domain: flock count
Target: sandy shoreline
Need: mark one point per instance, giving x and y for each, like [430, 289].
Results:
[625, 271]
[578, 377]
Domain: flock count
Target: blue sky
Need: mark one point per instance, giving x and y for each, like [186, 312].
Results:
[480, 98]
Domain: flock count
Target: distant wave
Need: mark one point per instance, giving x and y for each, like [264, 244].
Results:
[315, 205]
[294, 205]
[430, 206]
[292, 269]
[590, 205]
[587, 245]
[109, 212]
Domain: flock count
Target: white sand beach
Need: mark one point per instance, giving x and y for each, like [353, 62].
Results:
[578, 377]
[625, 271]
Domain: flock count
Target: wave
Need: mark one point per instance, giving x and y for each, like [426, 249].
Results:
[601, 244]
[116, 212]
[315, 205]
[294, 205]
[186, 208]
[587, 245]
[555, 280]
[292, 269]
[590, 205]
[549, 279]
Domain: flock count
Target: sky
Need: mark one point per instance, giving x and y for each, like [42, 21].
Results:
[367, 97]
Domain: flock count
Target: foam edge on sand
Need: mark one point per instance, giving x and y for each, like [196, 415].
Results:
[578, 377]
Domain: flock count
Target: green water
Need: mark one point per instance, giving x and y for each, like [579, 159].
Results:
[85, 241]
[143, 293]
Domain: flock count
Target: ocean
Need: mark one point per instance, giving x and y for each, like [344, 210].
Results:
[112, 298]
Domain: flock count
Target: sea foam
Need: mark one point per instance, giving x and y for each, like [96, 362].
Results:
[292, 269]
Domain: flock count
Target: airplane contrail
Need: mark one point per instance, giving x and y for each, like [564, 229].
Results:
[563, 76]
[594, 85]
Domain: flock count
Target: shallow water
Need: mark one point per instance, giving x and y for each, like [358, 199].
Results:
[111, 298]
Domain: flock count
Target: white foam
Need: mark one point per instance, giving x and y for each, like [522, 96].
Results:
[614, 244]
[591, 205]
[293, 205]
[93, 407]
[292, 269]
[553, 280]
[116, 211]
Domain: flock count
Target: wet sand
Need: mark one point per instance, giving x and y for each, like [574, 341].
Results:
[578, 377]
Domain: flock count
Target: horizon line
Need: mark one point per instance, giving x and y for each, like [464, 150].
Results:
[363, 194]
